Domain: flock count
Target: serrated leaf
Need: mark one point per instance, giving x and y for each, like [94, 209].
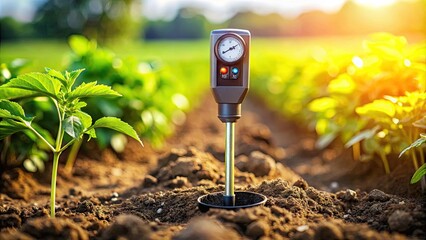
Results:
[92, 90]
[13, 93]
[12, 110]
[73, 126]
[117, 125]
[80, 105]
[37, 82]
[418, 174]
[73, 76]
[56, 74]
[8, 128]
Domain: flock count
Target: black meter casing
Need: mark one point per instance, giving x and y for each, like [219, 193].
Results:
[229, 79]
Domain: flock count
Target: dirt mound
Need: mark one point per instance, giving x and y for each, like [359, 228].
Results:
[188, 167]
[18, 184]
[147, 194]
[47, 228]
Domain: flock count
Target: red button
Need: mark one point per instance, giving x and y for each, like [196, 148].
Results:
[223, 70]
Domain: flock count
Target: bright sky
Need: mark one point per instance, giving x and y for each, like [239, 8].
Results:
[214, 10]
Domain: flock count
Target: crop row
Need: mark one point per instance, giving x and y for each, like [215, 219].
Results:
[155, 98]
[372, 100]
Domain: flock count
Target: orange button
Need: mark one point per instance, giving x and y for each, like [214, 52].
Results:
[223, 70]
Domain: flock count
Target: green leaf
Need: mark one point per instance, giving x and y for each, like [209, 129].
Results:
[418, 174]
[92, 90]
[85, 118]
[368, 133]
[322, 104]
[8, 128]
[343, 84]
[416, 143]
[37, 82]
[56, 74]
[117, 125]
[12, 110]
[73, 126]
[13, 93]
[378, 108]
[72, 76]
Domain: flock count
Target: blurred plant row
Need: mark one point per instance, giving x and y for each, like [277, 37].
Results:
[155, 100]
[372, 101]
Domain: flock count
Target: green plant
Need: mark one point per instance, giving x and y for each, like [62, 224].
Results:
[156, 95]
[421, 171]
[68, 101]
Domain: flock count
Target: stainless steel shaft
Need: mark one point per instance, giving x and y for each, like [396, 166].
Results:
[229, 159]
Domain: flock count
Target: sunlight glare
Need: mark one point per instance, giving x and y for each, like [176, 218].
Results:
[357, 61]
[375, 3]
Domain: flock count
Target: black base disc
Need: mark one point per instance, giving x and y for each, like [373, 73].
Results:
[242, 200]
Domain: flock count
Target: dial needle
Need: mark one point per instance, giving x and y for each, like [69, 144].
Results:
[231, 48]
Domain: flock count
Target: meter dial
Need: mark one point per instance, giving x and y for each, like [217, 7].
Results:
[230, 48]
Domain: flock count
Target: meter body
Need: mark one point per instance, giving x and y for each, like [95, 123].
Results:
[229, 73]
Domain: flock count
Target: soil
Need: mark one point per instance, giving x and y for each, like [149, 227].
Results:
[145, 193]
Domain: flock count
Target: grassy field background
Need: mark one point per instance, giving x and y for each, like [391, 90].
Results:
[56, 54]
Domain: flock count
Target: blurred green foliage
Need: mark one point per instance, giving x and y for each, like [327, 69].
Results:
[375, 96]
[154, 99]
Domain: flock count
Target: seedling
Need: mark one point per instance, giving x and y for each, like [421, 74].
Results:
[229, 62]
[420, 173]
[68, 101]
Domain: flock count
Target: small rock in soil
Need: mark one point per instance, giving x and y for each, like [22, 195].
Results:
[149, 181]
[301, 183]
[400, 221]
[257, 229]
[178, 182]
[377, 195]
[74, 192]
[57, 228]
[328, 231]
[260, 164]
[241, 162]
[85, 206]
[244, 217]
[127, 227]
[347, 195]
[185, 166]
[206, 229]
[10, 220]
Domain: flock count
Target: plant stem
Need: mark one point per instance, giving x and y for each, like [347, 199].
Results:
[72, 155]
[385, 162]
[356, 151]
[414, 158]
[56, 156]
[422, 156]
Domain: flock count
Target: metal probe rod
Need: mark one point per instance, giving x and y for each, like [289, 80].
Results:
[229, 198]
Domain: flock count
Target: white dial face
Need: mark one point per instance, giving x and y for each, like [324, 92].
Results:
[230, 49]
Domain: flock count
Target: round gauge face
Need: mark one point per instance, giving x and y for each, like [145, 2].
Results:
[230, 49]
